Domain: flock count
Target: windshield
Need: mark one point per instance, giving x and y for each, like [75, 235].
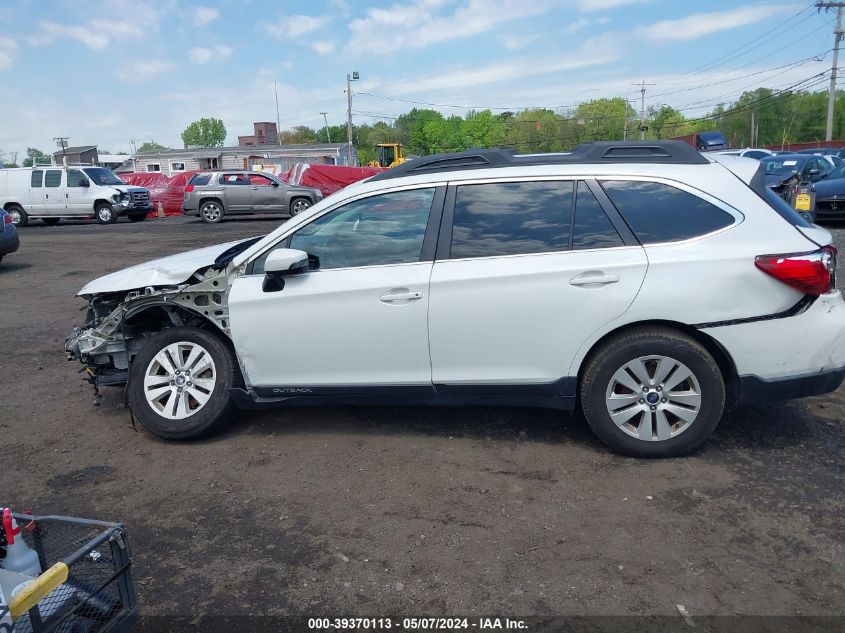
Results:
[783, 165]
[103, 176]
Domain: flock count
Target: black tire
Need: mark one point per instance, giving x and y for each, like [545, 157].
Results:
[137, 217]
[298, 205]
[217, 411]
[619, 350]
[105, 213]
[211, 212]
[16, 211]
[50, 221]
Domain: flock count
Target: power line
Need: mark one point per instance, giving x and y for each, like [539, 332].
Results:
[781, 26]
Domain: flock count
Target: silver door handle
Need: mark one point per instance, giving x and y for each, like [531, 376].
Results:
[391, 296]
[590, 280]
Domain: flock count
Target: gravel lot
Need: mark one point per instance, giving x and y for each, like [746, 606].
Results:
[407, 511]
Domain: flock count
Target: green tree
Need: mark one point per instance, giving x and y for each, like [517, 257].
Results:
[666, 122]
[151, 146]
[300, 134]
[207, 132]
[35, 157]
[604, 119]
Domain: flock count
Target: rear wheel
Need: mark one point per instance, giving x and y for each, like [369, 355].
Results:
[50, 221]
[652, 392]
[299, 205]
[179, 384]
[211, 212]
[19, 216]
[105, 214]
[137, 217]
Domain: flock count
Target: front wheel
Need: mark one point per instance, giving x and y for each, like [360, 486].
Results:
[652, 392]
[299, 205]
[105, 214]
[18, 215]
[179, 384]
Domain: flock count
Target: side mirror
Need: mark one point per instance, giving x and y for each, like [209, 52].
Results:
[83, 182]
[814, 172]
[275, 184]
[281, 263]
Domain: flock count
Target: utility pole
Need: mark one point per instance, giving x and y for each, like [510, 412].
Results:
[278, 123]
[751, 142]
[326, 121]
[643, 126]
[61, 141]
[349, 79]
[837, 35]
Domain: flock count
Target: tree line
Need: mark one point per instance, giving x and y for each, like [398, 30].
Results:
[778, 118]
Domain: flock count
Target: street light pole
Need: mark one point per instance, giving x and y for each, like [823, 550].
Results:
[349, 79]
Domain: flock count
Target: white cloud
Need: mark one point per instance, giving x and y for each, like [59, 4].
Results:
[8, 46]
[204, 15]
[144, 70]
[419, 25]
[202, 55]
[603, 5]
[503, 71]
[700, 24]
[323, 47]
[582, 23]
[116, 21]
[295, 26]
[516, 42]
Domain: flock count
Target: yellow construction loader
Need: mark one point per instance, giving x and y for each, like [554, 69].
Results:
[389, 155]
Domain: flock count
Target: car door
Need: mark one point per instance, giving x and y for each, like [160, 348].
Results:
[267, 194]
[77, 196]
[55, 201]
[519, 283]
[359, 319]
[36, 192]
[237, 192]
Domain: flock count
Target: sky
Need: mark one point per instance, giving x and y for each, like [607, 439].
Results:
[117, 71]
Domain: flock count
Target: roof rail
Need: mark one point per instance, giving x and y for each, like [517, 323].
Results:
[664, 152]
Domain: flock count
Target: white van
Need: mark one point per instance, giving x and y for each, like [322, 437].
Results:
[53, 192]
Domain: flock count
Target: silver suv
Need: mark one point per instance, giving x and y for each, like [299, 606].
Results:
[213, 194]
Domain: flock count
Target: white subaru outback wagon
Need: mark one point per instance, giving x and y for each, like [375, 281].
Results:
[642, 282]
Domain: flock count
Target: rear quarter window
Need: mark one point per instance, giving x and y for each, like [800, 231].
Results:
[200, 179]
[657, 212]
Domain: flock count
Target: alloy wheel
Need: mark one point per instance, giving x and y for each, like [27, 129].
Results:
[653, 398]
[211, 212]
[179, 380]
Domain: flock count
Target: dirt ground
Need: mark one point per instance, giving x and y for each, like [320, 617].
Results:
[346, 511]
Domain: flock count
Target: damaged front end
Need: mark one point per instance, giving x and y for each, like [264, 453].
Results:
[120, 322]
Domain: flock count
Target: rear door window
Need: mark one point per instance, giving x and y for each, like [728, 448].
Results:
[513, 218]
[233, 179]
[53, 178]
[657, 212]
[592, 228]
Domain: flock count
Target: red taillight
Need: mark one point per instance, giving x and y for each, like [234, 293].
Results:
[812, 273]
[7, 219]
[189, 188]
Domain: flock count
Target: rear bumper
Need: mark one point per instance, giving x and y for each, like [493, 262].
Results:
[754, 390]
[803, 354]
